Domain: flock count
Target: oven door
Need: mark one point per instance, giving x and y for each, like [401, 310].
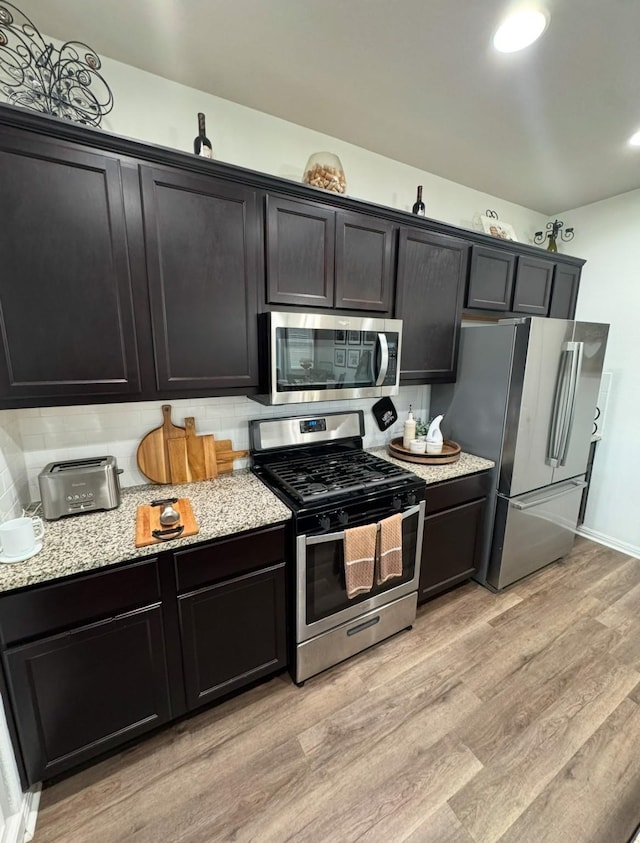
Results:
[316, 357]
[322, 601]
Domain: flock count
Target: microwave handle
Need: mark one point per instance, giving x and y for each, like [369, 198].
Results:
[384, 359]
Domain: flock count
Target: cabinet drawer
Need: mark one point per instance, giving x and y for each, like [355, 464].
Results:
[455, 492]
[228, 558]
[60, 605]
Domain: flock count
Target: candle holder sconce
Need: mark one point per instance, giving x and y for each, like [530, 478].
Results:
[33, 74]
[555, 229]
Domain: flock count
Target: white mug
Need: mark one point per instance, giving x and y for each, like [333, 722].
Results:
[18, 537]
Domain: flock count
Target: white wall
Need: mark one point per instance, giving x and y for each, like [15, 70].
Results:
[607, 235]
[153, 109]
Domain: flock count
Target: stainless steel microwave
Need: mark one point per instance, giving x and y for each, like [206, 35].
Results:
[323, 357]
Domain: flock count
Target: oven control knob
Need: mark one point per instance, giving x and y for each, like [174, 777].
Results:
[343, 518]
[411, 499]
[324, 522]
[396, 503]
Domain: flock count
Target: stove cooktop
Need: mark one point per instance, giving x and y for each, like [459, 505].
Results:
[319, 478]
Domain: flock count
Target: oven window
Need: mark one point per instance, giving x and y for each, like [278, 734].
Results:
[325, 583]
[314, 359]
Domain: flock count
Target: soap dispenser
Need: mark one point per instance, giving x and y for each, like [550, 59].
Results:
[409, 431]
[434, 437]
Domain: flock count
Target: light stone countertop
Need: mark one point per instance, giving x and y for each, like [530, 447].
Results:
[230, 504]
[222, 507]
[467, 464]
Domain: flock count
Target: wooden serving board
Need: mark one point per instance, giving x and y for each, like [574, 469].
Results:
[155, 456]
[450, 453]
[225, 455]
[148, 520]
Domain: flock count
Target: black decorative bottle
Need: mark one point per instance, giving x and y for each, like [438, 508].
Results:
[418, 205]
[202, 144]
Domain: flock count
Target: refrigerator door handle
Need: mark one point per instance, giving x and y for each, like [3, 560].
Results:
[575, 349]
[564, 403]
[575, 484]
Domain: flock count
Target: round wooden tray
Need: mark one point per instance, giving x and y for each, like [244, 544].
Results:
[450, 453]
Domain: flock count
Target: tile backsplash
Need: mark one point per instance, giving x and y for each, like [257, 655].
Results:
[47, 434]
[13, 478]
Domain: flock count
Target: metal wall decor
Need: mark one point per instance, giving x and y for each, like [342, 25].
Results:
[554, 229]
[33, 74]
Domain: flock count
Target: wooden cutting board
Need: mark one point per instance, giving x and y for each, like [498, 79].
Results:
[201, 453]
[225, 455]
[153, 455]
[148, 520]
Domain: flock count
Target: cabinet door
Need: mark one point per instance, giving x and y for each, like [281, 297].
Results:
[450, 547]
[491, 279]
[364, 262]
[232, 633]
[78, 694]
[532, 291]
[202, 239]
[300, 253]
[67, 327]
[565, 292]
[432, 271]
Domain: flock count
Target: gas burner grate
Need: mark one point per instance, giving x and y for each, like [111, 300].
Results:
[325, 477]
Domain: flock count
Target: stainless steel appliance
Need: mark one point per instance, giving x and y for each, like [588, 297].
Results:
[316, 357]
[70, 487]
[317, 466]
[525, 397]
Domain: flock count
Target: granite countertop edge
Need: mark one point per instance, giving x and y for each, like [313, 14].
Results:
[228, 506]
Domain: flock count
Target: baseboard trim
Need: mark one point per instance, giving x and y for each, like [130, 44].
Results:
[21, 827]
[608, 541]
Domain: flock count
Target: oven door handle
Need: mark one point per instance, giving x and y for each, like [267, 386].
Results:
[334, 537]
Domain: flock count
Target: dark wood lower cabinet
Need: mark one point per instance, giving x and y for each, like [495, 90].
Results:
[83, 692]
[233, 633]
[453, 532]
[93, 661]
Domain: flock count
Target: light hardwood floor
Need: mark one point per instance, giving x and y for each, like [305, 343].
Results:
[511, 718]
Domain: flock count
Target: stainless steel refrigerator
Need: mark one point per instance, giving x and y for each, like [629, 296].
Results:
[525, 397]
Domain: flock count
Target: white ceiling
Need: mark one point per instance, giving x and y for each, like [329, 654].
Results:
[414, 80]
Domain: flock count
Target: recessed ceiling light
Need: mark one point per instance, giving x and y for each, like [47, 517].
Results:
[634, 140]
[519, 30]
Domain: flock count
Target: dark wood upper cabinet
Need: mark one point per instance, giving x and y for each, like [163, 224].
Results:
[318, 256]
[300, 252]
[491, 279]
[202, 244]
[565, 291]
[67, 324]
[532, 291]
[432, 272]
[364, 262]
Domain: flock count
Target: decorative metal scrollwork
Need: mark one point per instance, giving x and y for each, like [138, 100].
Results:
[65, 82]
[554, 229]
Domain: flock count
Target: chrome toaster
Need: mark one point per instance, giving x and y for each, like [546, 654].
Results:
[74, 486]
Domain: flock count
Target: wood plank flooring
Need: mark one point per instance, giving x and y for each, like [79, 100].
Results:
[511, 717]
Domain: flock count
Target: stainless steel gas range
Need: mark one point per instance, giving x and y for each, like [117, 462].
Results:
[317, 466]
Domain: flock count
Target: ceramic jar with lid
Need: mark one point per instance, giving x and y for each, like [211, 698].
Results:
[324, 170]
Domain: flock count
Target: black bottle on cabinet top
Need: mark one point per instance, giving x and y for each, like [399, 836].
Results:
[418, 205]
[202, 144]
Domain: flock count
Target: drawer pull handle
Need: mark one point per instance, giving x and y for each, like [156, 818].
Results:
[362, 626]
